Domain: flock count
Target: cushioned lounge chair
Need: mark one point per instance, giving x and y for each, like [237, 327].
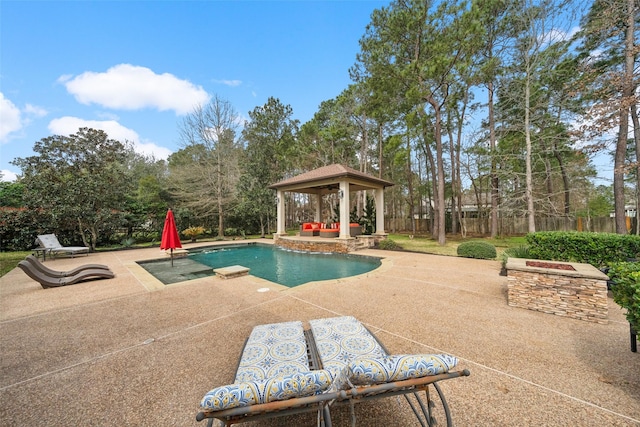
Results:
[49, 243]
[47, 281]
[363, 369]
[56, 273]
[277, 375]
[358, 368]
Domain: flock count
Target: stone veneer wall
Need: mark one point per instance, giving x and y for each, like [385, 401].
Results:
[341, 246]
[577, 297]
[335, 245]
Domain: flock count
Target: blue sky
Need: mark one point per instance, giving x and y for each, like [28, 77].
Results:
[134, 68]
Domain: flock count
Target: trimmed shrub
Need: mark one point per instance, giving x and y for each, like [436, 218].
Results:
[597, 249]
[389, 245]
[516, 252]
[479, 250]
[626, 289]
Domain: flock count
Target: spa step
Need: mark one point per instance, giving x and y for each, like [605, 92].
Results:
[231, 271]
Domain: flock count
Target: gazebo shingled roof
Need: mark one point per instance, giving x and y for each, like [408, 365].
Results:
[326, 178]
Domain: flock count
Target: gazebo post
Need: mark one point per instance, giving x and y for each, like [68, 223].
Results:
[318, 216]
[280, 225]
[379, 196]
[344, 210]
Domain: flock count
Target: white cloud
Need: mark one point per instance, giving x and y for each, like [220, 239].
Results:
[35, 111]
[150, 149]
[130, 87]
[13, 119]
[557, 35]
[231, 83]
[69, 125]
[10, 118]
[7, 176]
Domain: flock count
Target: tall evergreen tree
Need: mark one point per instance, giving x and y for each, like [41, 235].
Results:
[270, 137]
[609, 56]
[412, 48]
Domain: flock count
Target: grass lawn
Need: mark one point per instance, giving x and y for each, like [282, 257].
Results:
[430, 246]
[9, 260]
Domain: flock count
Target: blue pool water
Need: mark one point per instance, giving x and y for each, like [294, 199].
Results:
[288, 268]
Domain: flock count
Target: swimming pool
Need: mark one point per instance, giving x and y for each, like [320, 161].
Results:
[288, 268]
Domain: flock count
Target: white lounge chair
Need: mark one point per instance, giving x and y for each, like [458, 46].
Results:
[49, 243]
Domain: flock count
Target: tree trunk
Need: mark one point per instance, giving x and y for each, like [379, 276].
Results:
[636, 138]
[440, 173]
[565, 181]
[432, 169]
[621, 146]
[549, 182]
[454, 180]
[494, 163]
[411, 199]
[219, 195]
[379, 150]
[529, 172]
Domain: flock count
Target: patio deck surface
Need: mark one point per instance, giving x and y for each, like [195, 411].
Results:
[130, 351]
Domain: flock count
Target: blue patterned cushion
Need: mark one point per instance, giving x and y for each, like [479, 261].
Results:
[270, 390]
[273, 350]
[367, 371]
[340, 340]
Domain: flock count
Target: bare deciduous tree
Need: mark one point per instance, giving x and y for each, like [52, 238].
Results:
[205, 171]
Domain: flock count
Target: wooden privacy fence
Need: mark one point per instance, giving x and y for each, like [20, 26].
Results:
[513, 226]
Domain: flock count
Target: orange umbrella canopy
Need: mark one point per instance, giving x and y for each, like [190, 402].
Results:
[170, 238]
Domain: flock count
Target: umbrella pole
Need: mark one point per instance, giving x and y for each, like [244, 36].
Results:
[171, 257]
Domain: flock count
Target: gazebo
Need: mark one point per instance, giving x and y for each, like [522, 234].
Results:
[334, 178]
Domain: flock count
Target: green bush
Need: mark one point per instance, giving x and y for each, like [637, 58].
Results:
[480, 250]
[389, 245]
[597, 249]
[231, 231]
[515, 252]
[626, 289]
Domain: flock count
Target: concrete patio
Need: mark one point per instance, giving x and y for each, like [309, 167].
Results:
[130, 351]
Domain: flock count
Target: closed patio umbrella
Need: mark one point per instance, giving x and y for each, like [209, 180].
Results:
[170, 239]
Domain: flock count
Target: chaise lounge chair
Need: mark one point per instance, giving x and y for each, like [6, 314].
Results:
[276, 375]
[363, 369]
[55, 273]
[49, 243]
[47, 281]
[355, 368]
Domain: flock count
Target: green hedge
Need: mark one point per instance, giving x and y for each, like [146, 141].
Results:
[389, 245]
[480, 250]
[626, 289]
[597, 249]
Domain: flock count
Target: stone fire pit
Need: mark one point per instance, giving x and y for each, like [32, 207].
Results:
[568, 289]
